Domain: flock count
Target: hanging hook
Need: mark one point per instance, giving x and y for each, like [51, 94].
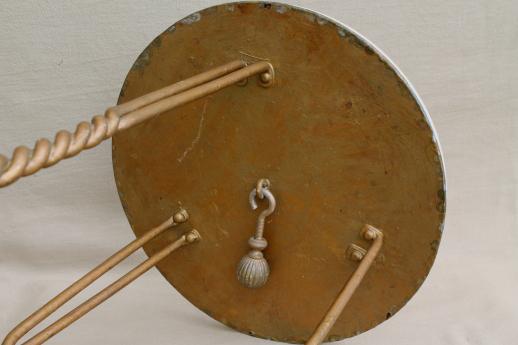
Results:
[262, 189]
[253, 269]
[262, 184]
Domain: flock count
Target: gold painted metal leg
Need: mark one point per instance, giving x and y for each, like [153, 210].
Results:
[58, 301]
[45, 153]
[369, 233]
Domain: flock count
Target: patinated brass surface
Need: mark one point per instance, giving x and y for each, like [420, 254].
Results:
[343, 141]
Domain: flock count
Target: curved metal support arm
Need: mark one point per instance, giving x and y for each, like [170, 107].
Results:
[26, 162]
[41, 314]
[369, 233]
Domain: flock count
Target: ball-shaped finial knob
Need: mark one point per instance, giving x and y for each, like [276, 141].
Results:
[266, 78]
[181, 216]
[193, 236]
[253, 270]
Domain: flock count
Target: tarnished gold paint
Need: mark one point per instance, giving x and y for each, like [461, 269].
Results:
[341, 137]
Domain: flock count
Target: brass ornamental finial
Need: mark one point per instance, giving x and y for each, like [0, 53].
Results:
[253, 269]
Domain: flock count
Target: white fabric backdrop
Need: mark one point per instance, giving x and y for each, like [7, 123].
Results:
[61, 61]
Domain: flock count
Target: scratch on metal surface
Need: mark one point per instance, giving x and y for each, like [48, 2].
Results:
[224, 232]
[253, 56]
[322, 21]
[281, 9]
[342, 32]
[215, 207]
[311, 17]
[193, 18]
[197, 137]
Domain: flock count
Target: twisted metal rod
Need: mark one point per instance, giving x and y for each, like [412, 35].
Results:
[25, 161]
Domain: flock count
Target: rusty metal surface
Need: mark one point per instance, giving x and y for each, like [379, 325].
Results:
[340, 135]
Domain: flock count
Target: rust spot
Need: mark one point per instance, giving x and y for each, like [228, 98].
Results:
[441, 193]
[142, 61]
[421, 123]
[369, 50]
[244, 8]
[440, 206]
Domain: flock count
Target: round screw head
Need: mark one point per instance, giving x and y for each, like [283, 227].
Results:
[181, 216]
[266, 78]
[370, 234]
[193, 236]
[357, 256]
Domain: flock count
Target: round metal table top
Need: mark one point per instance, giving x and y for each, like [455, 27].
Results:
[344, 140]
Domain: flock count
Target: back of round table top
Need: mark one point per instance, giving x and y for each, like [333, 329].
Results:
[342, 137]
